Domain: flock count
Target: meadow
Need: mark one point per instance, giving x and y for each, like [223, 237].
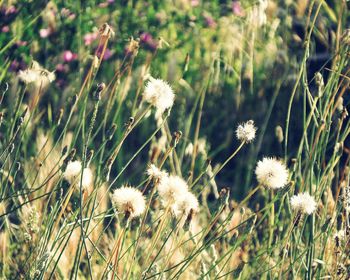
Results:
[182, 139]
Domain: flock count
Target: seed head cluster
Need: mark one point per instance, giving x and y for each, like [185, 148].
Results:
[129, 201]
[246, 132]
[304, 203]
[271, 173]
[159, 94]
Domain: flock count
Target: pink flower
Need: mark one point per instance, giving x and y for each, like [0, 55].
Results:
[11, 10]
[89, 38]
[194, 3]
[209, 21]
[68, 56]
[237, 8]
[146, 39]
[5, 29]
[62, 68]
[108, 54]
[44, 33]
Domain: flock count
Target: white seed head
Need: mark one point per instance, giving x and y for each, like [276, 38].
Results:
[189, 149]
[185, 204]
[271, 173]
[155, 173]
[246, 132]
[304, 203]
[87, 179]
[172, 189]
[36, 74]
[72, 171]
[159, 94]
[129, 200]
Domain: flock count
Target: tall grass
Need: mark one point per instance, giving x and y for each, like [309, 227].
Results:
[227, 63]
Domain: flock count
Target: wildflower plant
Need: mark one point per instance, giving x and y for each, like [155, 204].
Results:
[93, 185]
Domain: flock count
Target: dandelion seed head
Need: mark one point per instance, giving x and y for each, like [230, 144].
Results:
[129, 200]
[155, 173]
[246, 132]
[159, 94]
[87, 179]
[185, 204]
[271, 173]
[36, 74]
[189, 149]
[172, 189]
[304, 203]
[73, 169]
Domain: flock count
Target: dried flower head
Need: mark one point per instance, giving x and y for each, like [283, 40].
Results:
[155, 173]
[185, 204]
[304, 203]
[246, 132]
[172, 189]
[129, 201]
[159, 94]
[271, 173]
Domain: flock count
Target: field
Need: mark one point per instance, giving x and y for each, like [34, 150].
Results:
[183, 139]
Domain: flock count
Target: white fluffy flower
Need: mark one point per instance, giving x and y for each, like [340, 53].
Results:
[36, 74]
[246, 132]
[271, 173]
[172, 189]
[87, 179]
[73, 171]
[155, 173]
[185, 204]
[159, 93]
[129, 201]
[303, 202]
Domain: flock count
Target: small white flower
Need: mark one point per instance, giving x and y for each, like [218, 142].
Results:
[271, 173]
[303, 202]
[246, 132]
[155, 173]
[159, 94]
[172, 189]
[129, 201]
[185, 204]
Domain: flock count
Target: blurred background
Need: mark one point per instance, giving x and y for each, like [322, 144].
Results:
[242, 57]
